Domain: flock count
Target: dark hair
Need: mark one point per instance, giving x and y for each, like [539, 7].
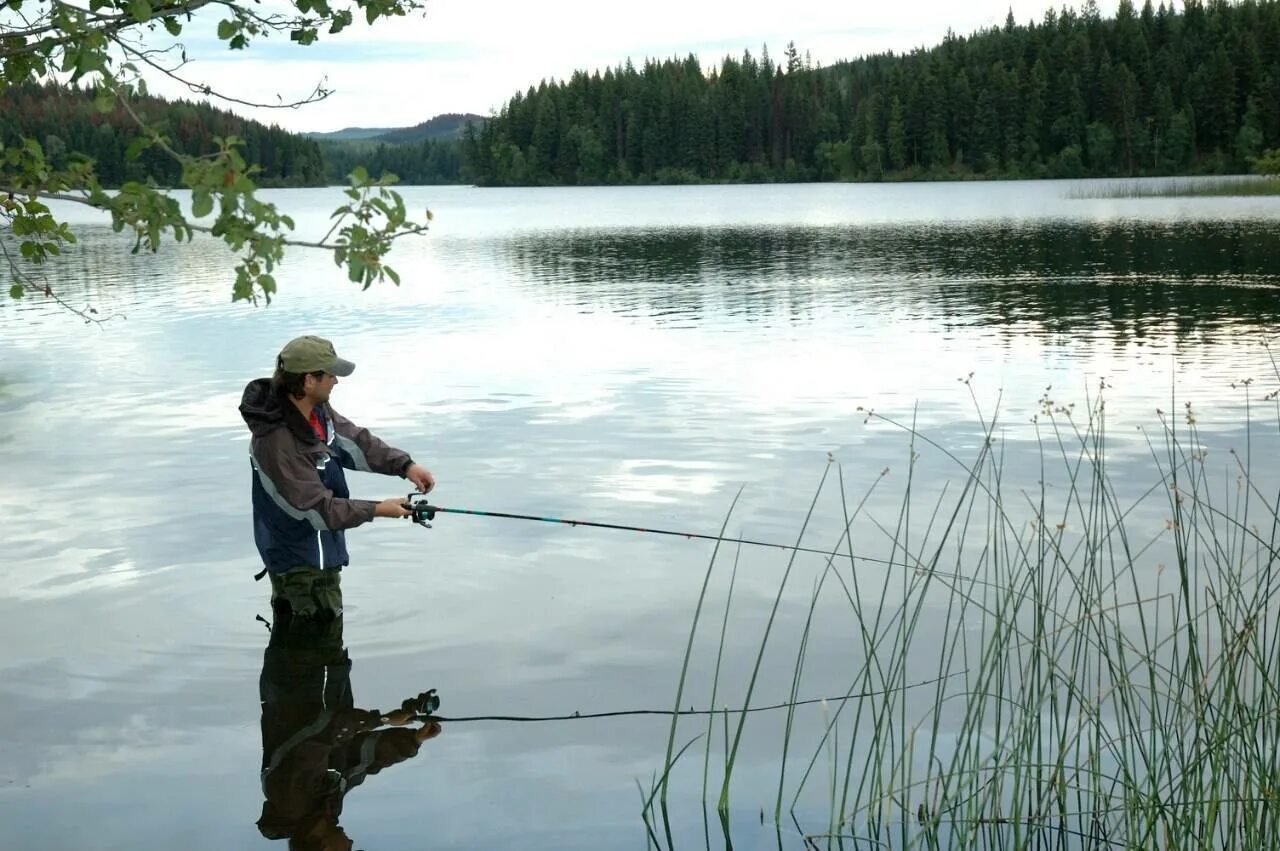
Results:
[292, 382]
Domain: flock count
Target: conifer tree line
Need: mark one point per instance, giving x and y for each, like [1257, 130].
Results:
[64, 119]
[1155, 90]
[422, 163]
[1150, 91]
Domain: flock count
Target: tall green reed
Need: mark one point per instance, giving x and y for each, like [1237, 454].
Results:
[1201, 187]
[1066, 662]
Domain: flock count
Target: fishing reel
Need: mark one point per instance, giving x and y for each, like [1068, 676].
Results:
[420, 509]
[425, 704]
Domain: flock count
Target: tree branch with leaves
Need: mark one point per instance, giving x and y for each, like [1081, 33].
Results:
[109, 45]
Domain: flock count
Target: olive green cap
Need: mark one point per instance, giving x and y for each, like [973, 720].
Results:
[313, 354]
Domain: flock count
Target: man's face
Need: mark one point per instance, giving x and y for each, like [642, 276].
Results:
[319, 388]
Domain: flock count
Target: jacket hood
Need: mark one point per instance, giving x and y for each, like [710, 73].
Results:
[264, 410]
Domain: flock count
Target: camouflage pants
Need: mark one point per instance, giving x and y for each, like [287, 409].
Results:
[307, 592]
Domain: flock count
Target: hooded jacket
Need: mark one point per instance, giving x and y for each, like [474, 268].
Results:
[301, 503]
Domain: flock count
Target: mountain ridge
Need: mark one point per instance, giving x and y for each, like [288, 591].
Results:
[448, 125]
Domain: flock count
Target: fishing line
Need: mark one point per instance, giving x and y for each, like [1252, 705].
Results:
[423, 512]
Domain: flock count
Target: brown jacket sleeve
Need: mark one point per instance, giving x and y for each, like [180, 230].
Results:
[366, 451]
[290, 478]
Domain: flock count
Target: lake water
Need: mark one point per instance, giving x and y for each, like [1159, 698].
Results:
[630, 356]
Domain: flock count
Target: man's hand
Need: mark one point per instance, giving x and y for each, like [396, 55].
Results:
[421, 478]
[399, 717]
[393, 507]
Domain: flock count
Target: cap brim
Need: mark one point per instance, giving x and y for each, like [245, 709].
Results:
[341, 368]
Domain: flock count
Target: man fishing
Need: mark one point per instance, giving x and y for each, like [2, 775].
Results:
[301, 503]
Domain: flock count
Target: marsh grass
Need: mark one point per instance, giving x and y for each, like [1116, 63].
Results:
[1200, 187]
[1080, 663]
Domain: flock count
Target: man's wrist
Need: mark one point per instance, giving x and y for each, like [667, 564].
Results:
[404, 468]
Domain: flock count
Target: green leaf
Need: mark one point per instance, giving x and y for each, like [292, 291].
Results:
[103, 100]
[173, 26]
[136, 147]
[16, 291]
[201, 204]
[140, 10]
[226, 29]
[341, 21]
[243, 289]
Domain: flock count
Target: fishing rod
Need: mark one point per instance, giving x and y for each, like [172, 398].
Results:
[424, 512]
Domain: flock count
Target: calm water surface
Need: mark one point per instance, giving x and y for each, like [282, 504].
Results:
[621, 355]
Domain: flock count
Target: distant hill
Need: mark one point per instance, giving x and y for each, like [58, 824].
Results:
[348, 134]
[448, 126]
[425, 154]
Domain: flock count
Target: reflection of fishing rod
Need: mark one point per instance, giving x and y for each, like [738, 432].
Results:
[424, 512]
[430, 714]
[624, 713]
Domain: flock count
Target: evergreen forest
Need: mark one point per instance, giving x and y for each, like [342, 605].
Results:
[1151, 91]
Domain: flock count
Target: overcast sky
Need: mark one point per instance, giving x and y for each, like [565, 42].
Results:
[472, 55]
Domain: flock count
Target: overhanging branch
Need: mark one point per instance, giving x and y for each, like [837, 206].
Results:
[88, 314]
[109, 25]
[317, 95]
[86, 201]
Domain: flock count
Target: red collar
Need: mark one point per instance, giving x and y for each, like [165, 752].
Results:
[317, 425]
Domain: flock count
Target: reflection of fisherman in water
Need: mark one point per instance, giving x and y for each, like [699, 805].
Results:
[316, 746]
